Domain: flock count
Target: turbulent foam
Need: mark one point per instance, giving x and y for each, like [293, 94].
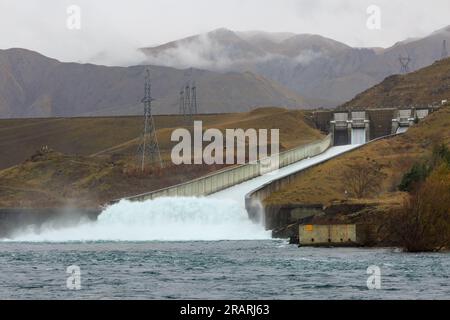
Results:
[161, 219]
[220, 216]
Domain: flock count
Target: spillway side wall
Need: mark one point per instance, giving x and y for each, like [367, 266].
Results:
[270, 216]
[229, 177]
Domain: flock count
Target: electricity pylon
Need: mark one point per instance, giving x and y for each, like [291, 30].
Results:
[148, 149]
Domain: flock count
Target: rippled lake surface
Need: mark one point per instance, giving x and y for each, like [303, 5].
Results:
[257, 269]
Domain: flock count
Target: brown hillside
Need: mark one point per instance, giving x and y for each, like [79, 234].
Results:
[20, 138]
[32, 85]
[429, 85]
[89, 160]
[325, 71]
[324, 183]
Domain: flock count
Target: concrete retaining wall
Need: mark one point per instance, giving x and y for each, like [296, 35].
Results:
[226, 178]
[276, 216]
[254, 199]
[339, 235]
[327, 234]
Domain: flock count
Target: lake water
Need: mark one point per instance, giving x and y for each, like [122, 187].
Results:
[204, 248]
[252, 269]
[201, 248]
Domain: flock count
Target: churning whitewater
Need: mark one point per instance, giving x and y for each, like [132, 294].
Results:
[161, 219]
[358, 136]
[220, 216]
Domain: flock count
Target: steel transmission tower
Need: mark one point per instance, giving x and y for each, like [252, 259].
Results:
[182, 108]
[404, 63]
[193, 103]
[188, 101]
[148, 148]
[444, 50]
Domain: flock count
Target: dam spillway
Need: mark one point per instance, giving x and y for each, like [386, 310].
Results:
[219, 216]
[238, 192]
[345, 124]
[358, 136]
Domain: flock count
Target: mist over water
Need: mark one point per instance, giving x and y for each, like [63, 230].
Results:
[161, 219]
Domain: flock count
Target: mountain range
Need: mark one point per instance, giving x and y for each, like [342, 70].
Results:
[429, 85]
[315, 67]
[32, 85]
[233, 71]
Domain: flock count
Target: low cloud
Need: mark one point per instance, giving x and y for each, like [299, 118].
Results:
[113, 30]
[118, 56]
[307, 56]
[205, 52]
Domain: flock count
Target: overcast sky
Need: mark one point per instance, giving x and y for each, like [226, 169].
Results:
[112, 29]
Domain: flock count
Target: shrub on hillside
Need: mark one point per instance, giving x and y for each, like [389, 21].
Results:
[423, 222]
[363, 178]
[420, 171]
[441, 153]
[417, 174]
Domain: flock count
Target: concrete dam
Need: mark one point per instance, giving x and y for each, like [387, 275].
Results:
[220, 215]
[209, 208]
[225, 205]
[361, 126]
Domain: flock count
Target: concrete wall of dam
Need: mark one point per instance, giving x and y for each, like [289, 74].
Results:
[229, 177]
[12, 220]
[333, 234]
[327, 234]
[280, 216]
[346, 125]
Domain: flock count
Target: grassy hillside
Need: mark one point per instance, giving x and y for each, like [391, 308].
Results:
[90, 159]
[326, 184]
[20, 138]
[425, 86]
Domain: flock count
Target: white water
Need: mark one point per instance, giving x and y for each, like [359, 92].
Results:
[221, 216]
[162, 219]
[402, 129]
[358, 136]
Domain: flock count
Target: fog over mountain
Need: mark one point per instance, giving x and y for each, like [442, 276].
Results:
[234, 71]
[316, 67]
[223, 49]
[32, 85]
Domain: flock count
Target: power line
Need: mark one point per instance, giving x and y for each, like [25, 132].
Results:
[181, 102]
[148, 148]
[444, 50]
[193, 103]
[188, 101]
[404, 64]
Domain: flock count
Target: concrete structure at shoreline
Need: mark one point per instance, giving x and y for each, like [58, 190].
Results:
[336, 235]
[330, 234]
[278, 217]
[361, 126]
